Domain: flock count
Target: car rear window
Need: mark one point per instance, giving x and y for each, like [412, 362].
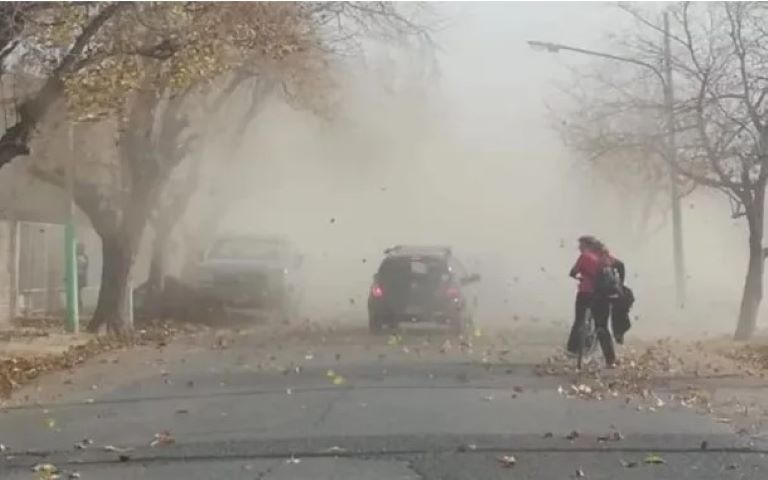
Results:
[408, 267]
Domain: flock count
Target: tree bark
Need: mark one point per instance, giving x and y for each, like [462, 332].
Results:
[753, 284]
[156, 279]
[117, 258]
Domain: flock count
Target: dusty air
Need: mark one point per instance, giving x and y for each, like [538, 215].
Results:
[383, 240]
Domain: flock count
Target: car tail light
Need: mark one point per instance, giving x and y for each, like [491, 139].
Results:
[376, 291]
[452, 292]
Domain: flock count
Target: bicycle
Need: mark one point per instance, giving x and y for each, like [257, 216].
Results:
[586, 337]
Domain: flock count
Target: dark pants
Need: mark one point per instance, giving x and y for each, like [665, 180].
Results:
[620, 308]
[600, 312]
[80, 285]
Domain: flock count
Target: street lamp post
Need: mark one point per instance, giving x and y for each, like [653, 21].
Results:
[665, 79]
[70, 256]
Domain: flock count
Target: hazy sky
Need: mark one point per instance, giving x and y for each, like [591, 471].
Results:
[496, 81]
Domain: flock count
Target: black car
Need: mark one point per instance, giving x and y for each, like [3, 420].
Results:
[421, 284]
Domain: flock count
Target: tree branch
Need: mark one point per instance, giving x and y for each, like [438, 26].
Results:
[15, 140]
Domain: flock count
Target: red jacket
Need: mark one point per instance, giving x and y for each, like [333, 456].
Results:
[586, 269]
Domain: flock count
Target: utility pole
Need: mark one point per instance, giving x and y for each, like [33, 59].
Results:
[677, 228]
[665, 79]
[70, 255]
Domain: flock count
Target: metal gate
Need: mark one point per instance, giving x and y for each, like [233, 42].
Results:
[41, 268]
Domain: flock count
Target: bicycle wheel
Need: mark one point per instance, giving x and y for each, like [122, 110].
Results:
[587, 338]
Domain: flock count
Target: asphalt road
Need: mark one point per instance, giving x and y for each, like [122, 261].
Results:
[340, 404]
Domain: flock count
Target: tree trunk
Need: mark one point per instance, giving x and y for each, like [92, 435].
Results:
[753, 285]
[117, 257]
[156, 280]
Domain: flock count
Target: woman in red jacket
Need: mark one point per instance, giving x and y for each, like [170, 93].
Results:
[591, 260]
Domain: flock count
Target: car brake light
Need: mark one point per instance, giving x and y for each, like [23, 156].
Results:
[452, 292]
[376, 291]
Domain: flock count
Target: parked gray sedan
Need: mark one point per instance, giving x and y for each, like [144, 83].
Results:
[251, 274]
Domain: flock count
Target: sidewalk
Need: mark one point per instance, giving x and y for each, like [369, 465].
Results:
[35, 347]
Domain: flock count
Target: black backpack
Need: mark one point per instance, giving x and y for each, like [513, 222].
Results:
[608, 281]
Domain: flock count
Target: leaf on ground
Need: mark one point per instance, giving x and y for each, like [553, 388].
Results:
[507, 461]
[50, 423]
[654, 459]
[112, 448]
[293, 461]
[628, 464]
[572, 435]
[610, 437]
[46, 468]
[339, 380]
[162, 438]
[83, 444]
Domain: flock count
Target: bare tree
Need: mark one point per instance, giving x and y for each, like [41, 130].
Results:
[157, 58]
[621, 140]
[719, 63]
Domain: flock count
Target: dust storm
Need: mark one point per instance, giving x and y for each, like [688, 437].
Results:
[461, 152]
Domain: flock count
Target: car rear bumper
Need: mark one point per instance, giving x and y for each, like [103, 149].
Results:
[443, 313]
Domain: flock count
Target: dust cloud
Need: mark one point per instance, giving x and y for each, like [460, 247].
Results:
[465, 156]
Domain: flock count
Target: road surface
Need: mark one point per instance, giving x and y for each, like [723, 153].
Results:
[335, 403]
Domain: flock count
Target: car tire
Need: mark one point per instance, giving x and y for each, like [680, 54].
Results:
[462, 325]
[377, 323]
